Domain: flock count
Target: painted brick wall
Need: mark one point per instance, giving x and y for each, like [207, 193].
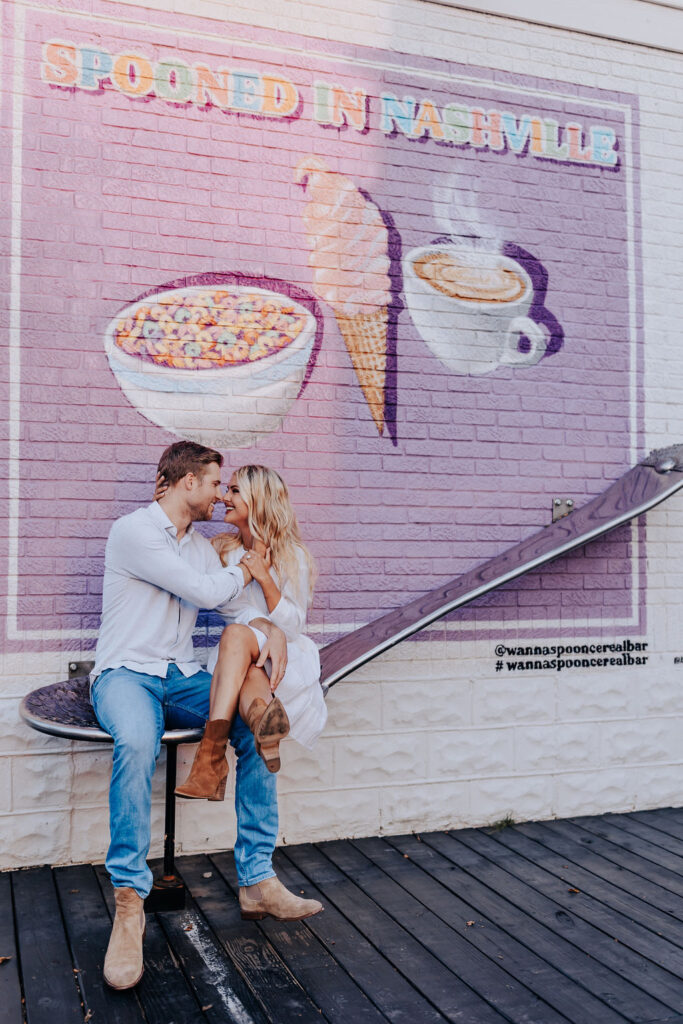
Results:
[113, 198]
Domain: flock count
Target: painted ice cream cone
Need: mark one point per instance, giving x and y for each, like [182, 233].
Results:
[349, 246]
[365, 337]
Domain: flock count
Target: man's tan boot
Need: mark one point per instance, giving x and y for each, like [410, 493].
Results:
[209, 771]
[270, 725]
[123, 962]
[270, 897]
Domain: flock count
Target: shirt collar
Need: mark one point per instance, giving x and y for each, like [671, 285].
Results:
[159, 516]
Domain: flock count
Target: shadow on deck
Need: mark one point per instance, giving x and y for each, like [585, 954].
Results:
[542, 923]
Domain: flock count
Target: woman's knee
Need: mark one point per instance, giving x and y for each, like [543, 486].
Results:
[237, 637]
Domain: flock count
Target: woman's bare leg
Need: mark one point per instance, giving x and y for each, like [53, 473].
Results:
[255, 685]
[237, 652]
[238, 649]
[265, 716]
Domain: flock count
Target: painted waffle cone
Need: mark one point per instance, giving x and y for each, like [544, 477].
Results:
[365, 336]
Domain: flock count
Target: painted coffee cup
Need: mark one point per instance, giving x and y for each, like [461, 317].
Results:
[471, 308]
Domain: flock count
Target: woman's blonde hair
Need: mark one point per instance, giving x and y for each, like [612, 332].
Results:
[272, 520]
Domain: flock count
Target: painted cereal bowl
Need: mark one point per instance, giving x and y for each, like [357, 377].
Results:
[218, 363]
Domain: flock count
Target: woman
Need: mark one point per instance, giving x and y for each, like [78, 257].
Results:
[268, 543]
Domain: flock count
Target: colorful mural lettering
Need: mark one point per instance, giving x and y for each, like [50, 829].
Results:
[245, 91]
[409, 286]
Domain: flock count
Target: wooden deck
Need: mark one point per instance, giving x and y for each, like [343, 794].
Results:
[542, 923]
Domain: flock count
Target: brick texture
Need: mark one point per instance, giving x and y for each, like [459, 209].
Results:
[115, 196]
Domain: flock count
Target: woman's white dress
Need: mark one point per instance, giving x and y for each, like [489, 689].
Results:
[299, 691]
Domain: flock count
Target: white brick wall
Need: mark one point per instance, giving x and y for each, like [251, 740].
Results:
[430, 737]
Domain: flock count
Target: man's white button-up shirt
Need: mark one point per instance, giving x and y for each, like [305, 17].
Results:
[154, 585]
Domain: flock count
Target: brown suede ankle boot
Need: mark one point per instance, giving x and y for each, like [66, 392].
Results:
[209, 771]
[269, 724]
[123, 962]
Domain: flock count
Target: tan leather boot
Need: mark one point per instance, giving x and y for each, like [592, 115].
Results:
[269, 724]
[209, 771]
[270, 897]
[123, 962]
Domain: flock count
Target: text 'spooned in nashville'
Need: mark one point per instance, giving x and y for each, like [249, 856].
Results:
[250, 90]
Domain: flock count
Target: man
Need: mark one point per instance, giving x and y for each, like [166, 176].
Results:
[158, 572]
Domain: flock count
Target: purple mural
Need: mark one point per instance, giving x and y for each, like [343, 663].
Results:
[409, 286]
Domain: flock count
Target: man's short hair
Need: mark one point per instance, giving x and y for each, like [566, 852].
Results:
[185, 457]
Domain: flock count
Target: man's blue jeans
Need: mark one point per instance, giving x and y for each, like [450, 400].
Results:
[135, 708]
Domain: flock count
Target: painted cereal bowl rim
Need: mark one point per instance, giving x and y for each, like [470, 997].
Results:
[121, 360]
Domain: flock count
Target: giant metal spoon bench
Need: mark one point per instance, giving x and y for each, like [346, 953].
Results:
[64, 709]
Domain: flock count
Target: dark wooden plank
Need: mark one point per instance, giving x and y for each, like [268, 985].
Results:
[666, 819]
[10, 986]
[164, 993]
[619, 888]
[476, 968]
[613, 911]
[612, 850]
[640, 952]
[280, 995]
[381, 982]
[504, 949]
[221, 990]
[630, 823]
[638, 490]
[678, 1019]
[88, 926]
[630, 851]
[437, 983]
[316, 970]
[47, 970]
[594, 986]
[622, 923]
[491, 864]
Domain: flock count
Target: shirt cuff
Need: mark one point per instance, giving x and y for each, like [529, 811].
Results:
[285, 619]
[235, 573]
[238, 576]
